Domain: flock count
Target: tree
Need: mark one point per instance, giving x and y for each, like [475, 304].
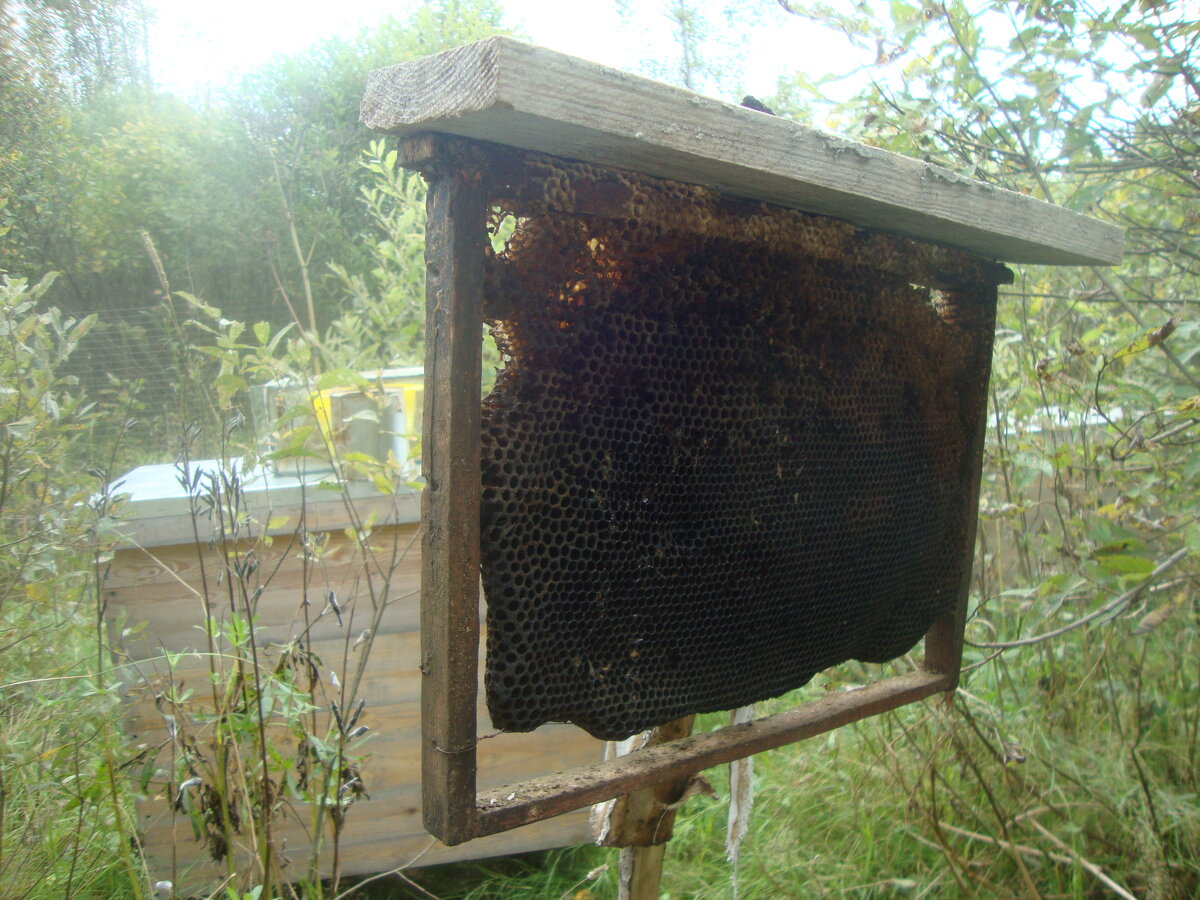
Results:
[54, 56]
[303, 139]
[250, 199]
[698, 46]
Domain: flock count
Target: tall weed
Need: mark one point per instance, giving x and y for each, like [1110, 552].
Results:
[65, 809]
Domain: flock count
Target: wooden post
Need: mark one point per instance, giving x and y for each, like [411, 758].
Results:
[454, 250]
[643, 821]
[640, 871]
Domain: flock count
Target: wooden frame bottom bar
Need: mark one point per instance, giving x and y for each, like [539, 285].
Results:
[542, 798]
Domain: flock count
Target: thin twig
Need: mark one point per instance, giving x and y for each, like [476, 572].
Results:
[983, 662]
[1113, 605]
[1091, 867]
[1058, 810]
[1067, 860]
[398, 872]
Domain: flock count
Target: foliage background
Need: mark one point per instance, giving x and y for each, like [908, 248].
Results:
[1066, 759]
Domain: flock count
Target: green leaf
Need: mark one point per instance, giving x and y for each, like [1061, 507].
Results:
[1120, 546]
[1191, 404]
[199, 305]
[1149, 339]
[294, 452]
[1125, 565]
[227, 385]
[1191, 538]
[336, 378]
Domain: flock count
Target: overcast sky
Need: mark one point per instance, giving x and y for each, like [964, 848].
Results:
[197, 42]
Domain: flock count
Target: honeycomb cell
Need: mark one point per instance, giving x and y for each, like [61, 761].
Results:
[731, 445]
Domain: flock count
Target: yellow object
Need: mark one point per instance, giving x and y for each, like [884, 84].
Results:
[409, 384]
[349, 420]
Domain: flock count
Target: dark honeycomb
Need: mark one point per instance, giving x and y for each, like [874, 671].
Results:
[731, 445]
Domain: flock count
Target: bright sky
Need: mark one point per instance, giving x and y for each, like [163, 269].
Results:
[193, 43]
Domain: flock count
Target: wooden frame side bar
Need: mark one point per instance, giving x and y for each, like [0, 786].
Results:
[552, 795]
[944, 640]
[454, 250]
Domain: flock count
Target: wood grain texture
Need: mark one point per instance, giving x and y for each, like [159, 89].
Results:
[377, 843]
[167, 584]
[641, 872]
[507, 92]
[553, 795]
[454, 250]
[646, 817]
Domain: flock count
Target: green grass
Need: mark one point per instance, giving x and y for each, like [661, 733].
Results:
[1082, 755]
[63, 788]
[1054, 761]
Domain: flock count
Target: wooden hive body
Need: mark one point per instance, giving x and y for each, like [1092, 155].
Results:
[157, 578]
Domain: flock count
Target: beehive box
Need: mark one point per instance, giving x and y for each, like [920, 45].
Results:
[158, 577]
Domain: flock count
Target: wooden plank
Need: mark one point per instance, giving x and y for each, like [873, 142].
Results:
[455, 239]
[541, 798]
[643, 821]
[156, 586]
[640, 872]
[386, 830]
[368, 846]
[175, 623]
[391, 685]
[175, 566]
[510, 93]
[161, 588]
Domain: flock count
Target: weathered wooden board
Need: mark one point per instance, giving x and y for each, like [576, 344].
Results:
[507, 92]
[386, 830]
[516, 804]
[158, 509]
[168, 585]
[454, 233]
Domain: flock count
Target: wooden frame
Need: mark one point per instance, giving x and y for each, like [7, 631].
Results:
[506, 92]
[454, 811]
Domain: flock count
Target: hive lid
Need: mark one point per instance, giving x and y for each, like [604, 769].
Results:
[512, 93]
[157, 509]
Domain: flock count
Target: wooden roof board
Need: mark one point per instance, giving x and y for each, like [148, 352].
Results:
[512, 93]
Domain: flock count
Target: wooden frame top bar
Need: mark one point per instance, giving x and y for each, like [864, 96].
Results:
[512, 93]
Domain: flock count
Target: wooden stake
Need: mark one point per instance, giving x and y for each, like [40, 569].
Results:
[643, 821]
[641, 872]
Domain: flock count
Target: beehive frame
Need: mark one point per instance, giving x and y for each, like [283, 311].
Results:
[473, 94]
[455, 242]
